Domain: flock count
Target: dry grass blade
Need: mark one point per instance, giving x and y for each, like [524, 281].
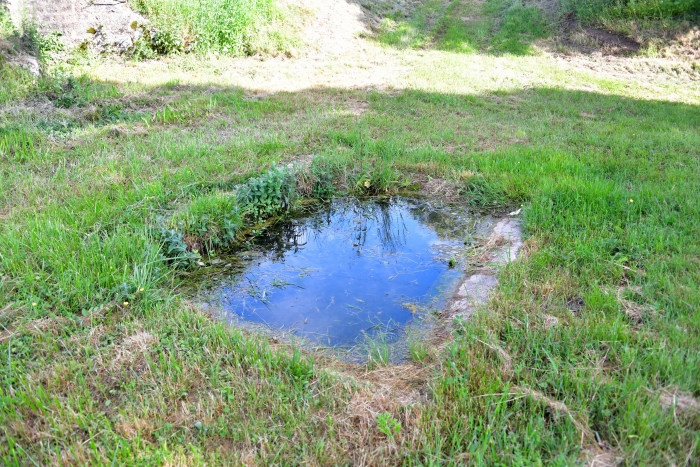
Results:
[132, 346]
[634, 311]
[596, 458]
[679, 401]
[507, 368]
[558, 408]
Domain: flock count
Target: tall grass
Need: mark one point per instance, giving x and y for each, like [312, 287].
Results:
[231, 27]
[14, 82]
[599, 10]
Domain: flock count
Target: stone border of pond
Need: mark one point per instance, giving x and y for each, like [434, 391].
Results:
[501, 248]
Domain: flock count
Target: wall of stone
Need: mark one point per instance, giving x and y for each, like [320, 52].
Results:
[73, 19]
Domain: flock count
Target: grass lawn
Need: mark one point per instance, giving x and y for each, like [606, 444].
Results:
[589, 347]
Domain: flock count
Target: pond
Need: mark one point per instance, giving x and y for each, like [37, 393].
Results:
[351, 270]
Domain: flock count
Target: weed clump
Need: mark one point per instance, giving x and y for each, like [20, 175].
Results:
[320, 180]
[176, 249]
[388, 425]
[269, 194]
[213, 220]
[208, 223]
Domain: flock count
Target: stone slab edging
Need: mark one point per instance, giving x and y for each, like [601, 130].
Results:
[476, 288]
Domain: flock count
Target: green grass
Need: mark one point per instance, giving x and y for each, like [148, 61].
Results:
[465, 26]
[417, 349]
[652, 23]
[230, 27]
[102, 362]
[73, 265]
[14, 83]
[601, 10]
[413, 31]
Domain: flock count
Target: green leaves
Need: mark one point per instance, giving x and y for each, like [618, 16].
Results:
[175, 248]
[388, 425]
[269, 194]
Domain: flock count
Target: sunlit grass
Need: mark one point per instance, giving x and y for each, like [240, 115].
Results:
[231, 27]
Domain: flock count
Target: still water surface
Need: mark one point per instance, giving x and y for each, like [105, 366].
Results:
[351, 270]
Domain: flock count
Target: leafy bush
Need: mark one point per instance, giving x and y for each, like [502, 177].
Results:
[142, 49]
[231, 27]
[165, 42]
[269, 194]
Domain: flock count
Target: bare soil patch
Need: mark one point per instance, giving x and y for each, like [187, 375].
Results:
[588, 39]
[678, 401]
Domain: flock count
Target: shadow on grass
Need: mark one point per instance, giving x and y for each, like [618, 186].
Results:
[499, 27]
[495, 27]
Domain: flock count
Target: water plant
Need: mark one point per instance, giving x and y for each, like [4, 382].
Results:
[377, 347]
[417, 349]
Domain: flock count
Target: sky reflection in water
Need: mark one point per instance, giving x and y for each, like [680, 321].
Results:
[347, 271]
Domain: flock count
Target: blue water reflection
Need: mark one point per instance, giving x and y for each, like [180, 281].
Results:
[356, 267]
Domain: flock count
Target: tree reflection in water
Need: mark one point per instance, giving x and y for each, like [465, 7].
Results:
[349, 268]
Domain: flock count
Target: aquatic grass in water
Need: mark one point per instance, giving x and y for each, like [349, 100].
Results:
[352, 274]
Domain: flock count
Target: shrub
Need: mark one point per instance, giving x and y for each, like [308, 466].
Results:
[165, 42]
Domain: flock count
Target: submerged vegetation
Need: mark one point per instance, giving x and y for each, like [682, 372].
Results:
[113, 189]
